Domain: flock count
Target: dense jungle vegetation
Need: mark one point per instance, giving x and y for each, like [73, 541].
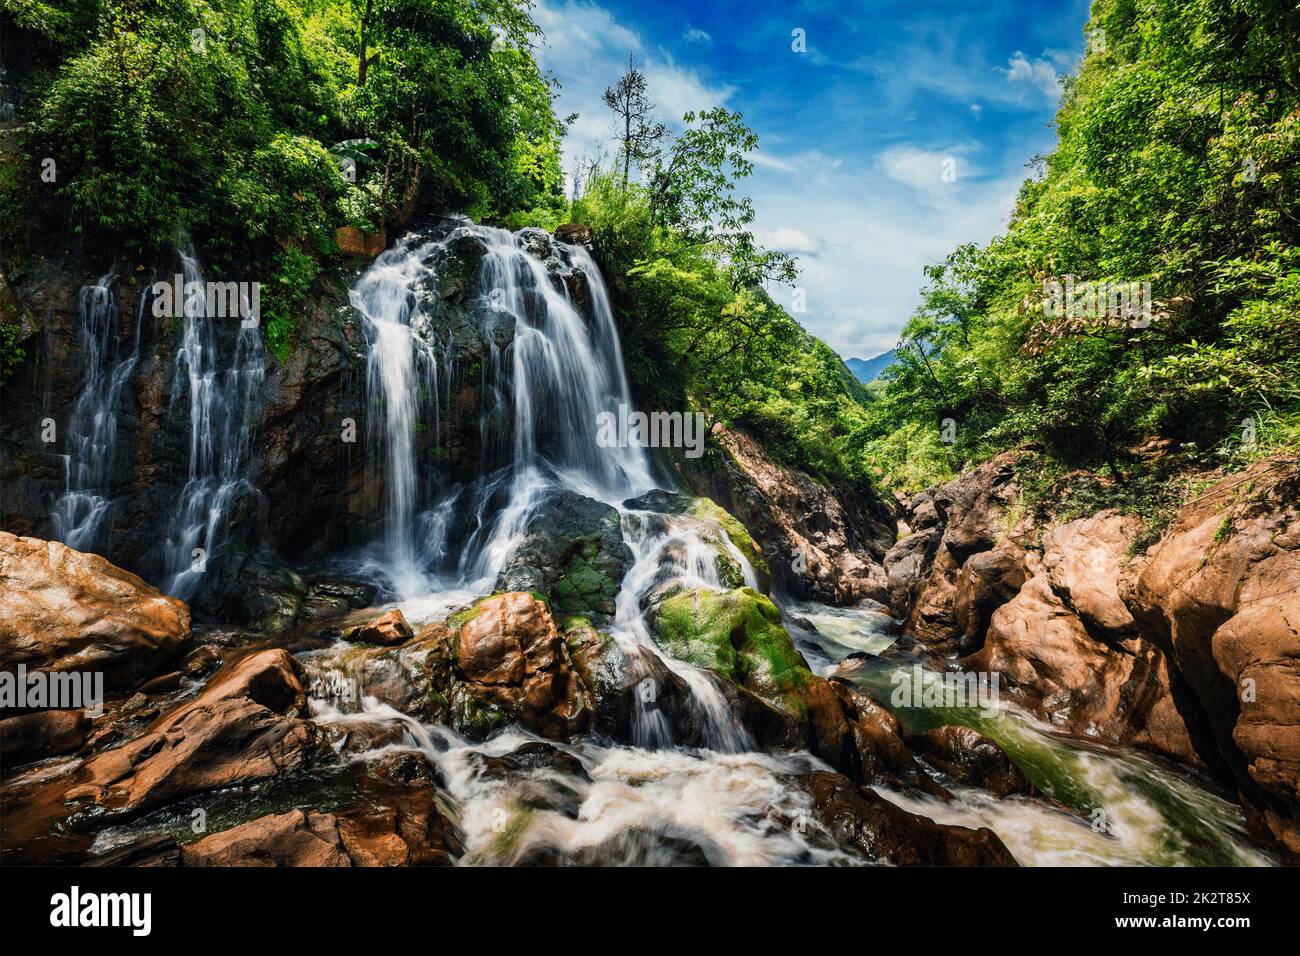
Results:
[258, 127]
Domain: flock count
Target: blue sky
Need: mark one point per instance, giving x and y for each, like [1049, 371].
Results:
[856, 133]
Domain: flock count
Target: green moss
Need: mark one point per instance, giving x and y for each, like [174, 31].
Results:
[458, 619]
[737, 635]
[708, 509]
[584, 588]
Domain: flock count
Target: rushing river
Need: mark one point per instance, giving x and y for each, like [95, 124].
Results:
[646, 801]
[650, 800]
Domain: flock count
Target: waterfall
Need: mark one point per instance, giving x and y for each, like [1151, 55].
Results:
[79, 513]
[560, 371]
[223, 402]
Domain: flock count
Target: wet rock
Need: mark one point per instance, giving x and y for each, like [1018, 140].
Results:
[538, 776]
[531, 757]
[737, 635]
[860, 738]
[572, 552]
[295, 838]
[257, 590]
[967, 756]
[241, 730]
[624, 684]
[710, 523]
[63, 610]
[822, 543]
[386, 629]
[510, 654]
[160, 849]
[400, 823]
[48, 733]
[161, 685]
[861, 821]
[640, 846]
[333, 598]
[201, 661]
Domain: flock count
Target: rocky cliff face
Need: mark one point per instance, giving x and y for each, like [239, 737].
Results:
[822, 543]
[315, 485]
[1188, 650]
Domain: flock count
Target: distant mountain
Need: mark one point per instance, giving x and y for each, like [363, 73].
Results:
[867, 369]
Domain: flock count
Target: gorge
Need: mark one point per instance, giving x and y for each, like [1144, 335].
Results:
[481, 636]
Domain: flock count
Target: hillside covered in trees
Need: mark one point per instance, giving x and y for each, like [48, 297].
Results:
[368, 580]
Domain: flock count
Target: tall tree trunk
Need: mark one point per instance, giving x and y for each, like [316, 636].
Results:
[627, 144]
[361, 60]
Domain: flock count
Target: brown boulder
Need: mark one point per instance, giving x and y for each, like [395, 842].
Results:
[1120, 691]
[967, 756]
[1219, 594]
[987, 581]
[1083, 560]
[235, 733]
[860, 738]
[294, 838]
[513, 659]
[48, 733]
[861, 821]
[63, 610]
[386, 629]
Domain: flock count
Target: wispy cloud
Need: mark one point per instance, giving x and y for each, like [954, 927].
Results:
[1038, 73]
[696, 35]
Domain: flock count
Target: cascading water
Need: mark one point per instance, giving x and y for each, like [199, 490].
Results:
[642, 802]
[559, 373]
[223, 402]
[78, 515]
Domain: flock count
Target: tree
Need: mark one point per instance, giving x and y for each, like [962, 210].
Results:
[694, 192]
[638, 133]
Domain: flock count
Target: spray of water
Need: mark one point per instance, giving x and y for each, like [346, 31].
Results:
[224, 399]
[79, 513]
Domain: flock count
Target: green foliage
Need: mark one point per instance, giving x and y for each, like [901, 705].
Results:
[700, 331]
[231, 121]
[1178, 163]
[12, 352]
[290, 285]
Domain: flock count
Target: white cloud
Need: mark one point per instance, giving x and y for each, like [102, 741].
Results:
[933, 172]
[1038, 73]
[696, 35]
[588, 49]
[794, 241]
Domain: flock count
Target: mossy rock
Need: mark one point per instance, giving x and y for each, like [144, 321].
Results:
[709, 510]
[738, 635]
[712, 517]
[573, 551]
